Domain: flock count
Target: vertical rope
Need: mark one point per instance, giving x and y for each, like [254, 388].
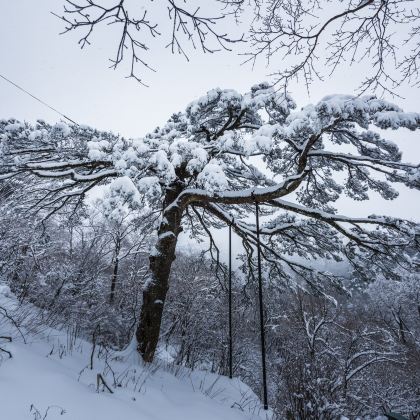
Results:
[260, 296]
[230, 304]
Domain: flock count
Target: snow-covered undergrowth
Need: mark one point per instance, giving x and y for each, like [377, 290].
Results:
[50, 376]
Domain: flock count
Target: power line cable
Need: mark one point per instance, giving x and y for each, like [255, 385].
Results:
[37, 99]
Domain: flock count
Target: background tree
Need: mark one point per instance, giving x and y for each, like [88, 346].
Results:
[198, 170]
[127, 232]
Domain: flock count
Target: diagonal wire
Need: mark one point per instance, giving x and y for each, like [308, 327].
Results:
[37, 99]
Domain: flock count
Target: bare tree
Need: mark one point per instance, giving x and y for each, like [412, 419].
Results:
[316, 37]
[329, 359]
[186, 24]
[311, 38]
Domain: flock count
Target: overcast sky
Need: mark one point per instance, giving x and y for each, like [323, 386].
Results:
[79, 84]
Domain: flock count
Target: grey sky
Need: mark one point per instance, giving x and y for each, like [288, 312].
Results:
[79, 84]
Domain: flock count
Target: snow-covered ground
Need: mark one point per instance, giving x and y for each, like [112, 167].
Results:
[50, 375]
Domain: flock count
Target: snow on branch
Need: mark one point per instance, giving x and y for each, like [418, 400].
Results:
[226, 152]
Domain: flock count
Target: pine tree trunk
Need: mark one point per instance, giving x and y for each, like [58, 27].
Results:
[154, 294]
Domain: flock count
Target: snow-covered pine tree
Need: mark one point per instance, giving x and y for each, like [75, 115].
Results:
[207, 166]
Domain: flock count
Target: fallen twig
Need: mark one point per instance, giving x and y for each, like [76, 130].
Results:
[99, 379]
[10, 318]
[4, 350]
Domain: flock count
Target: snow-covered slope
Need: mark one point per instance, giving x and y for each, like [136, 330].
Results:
[51, 373]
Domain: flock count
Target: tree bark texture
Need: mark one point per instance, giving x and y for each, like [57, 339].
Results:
[154, 293]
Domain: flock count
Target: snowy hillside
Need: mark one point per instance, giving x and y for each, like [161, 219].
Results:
[50, 377]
